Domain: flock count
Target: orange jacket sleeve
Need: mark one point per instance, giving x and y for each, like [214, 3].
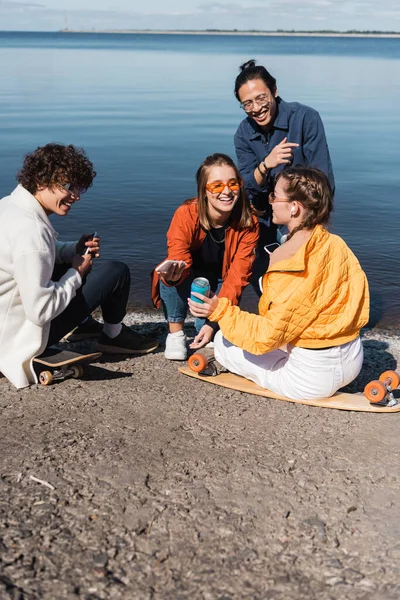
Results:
[180, 239]
[179, 242]
[261, 334]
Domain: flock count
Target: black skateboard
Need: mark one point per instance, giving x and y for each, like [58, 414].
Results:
[62, 364]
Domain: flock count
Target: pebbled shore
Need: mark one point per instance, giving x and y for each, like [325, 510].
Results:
[155, 486]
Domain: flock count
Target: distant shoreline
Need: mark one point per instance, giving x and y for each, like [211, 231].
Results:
[238, 33]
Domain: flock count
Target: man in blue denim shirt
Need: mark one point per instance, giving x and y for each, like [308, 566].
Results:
[295, 122]
[274, 134]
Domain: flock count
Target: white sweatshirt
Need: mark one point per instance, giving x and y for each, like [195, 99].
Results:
[29, 299]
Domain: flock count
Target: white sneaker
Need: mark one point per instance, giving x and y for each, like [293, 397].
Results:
[175, 346]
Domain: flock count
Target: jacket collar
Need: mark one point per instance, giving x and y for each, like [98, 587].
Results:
[297, 262]
[281, 120]
[26, 200]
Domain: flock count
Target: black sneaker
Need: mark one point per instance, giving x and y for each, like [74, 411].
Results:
[88, 330]
[127, 342]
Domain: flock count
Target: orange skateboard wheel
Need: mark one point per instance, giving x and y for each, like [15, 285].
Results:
[390, 378]
[198, 362]
[46, 378]
[375, 391]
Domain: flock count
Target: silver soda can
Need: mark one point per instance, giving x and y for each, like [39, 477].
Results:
[201, 285]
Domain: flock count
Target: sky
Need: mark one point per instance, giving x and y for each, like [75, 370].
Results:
[52, 15]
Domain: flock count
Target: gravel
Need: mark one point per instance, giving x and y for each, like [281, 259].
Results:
[139, 483]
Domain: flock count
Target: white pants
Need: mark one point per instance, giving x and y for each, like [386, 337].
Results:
[299, 373]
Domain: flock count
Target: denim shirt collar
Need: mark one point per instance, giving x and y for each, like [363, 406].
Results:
[281, 120]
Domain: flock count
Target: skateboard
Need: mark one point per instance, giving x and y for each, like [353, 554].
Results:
[378, 395]
[62, 364]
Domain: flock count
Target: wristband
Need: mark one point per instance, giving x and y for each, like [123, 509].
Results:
[267, 170]
[213, 324]
[265, 173]
[261, 173]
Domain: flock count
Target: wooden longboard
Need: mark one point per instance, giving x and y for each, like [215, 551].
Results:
[340, 401]
[54, 357]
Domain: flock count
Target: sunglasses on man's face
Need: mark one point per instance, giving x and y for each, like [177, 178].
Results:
[217, 187]
[75, 190]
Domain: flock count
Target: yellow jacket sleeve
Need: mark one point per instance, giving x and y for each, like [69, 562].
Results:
[261, 334]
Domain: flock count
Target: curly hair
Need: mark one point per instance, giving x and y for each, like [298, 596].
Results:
[311, 188]
[55, 164]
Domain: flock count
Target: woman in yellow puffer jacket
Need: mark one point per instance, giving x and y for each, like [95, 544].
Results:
[305, 342]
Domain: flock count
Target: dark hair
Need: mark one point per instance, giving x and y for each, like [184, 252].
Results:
[249, 71]
[241, 212]
[312, 189]
[55, 164]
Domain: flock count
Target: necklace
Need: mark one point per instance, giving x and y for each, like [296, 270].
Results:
[213, 238]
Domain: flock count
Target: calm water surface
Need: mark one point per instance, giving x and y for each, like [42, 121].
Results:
[149, 108]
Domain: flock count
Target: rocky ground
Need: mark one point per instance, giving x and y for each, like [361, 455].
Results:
[139, 483]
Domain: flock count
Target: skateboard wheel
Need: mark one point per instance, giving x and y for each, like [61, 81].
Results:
[375, 391]
[46, 378]
[390, 378]
[197, 362]
[77, 371]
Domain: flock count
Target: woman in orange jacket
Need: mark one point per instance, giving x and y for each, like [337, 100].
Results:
[314, 302]
[211, 236]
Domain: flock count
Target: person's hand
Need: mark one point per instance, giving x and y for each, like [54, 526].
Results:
[204, 336]
[173, 272]
[203, 311]
[82, 264]
[282, 154]
[89, 242]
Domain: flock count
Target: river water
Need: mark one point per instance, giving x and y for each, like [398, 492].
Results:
[149, 108]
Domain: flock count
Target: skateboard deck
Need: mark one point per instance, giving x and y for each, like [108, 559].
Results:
[339, 401]
[54, 357]
[62, 363]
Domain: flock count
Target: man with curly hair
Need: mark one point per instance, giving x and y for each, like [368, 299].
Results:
[47, 287]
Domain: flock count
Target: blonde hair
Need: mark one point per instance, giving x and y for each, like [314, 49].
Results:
[241, 212]
[311, 188]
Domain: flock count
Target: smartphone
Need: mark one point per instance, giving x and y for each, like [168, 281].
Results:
[167, 264]
[269, 248]
[93, 235]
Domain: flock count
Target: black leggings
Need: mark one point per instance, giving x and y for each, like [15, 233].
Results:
[107, 285]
